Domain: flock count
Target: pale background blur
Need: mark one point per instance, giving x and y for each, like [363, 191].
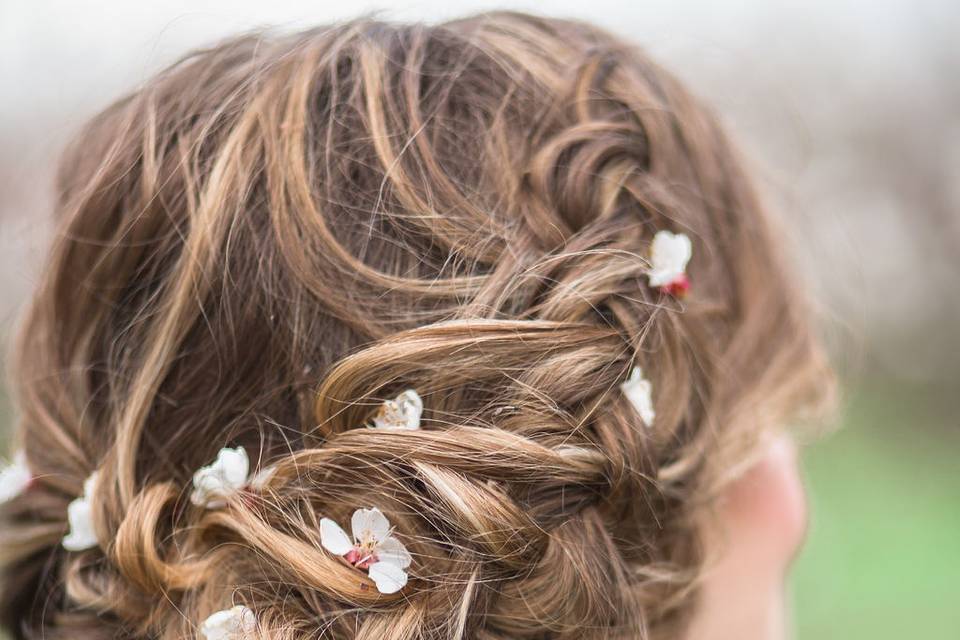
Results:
[851, 111]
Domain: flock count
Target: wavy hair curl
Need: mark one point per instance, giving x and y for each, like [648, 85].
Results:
[277, 233]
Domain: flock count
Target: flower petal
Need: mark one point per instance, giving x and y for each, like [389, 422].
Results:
[669, 255]
[235, 623]
[639, 392]
[15, 477]
[216, 482]
[90, 484]
[403, 412]
[82, 534]
[392, 550]
[388, 577]
[333, 538]
[233, 465]
[369, 524]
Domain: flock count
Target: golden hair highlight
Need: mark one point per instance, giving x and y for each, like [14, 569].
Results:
[280, 232]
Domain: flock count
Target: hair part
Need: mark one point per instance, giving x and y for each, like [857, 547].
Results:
[279, 232]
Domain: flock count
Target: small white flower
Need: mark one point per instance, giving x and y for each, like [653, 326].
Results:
[15, 477]
[80, 514]
[216, 482]
[226, 476]
[403, 412]
[639, 392]
[372, 548]
[669, 255]
[235, 623]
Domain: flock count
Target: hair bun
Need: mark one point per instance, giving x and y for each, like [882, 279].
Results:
[399, 276]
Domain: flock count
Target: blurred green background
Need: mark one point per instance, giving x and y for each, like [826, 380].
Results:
[850, 110]
[883, 554]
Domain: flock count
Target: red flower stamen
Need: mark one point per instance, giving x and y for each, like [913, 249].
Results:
[360, 558]
[678, 288]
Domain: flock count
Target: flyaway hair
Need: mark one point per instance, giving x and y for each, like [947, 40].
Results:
[277, 235]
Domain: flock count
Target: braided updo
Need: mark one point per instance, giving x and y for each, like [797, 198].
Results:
[277, 234]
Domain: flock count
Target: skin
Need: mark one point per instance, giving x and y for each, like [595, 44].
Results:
[764, 516]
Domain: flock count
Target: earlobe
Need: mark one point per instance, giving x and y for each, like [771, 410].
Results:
[763, 521]
[768, 504]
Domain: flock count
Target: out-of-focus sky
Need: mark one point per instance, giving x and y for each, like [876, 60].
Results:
[851, 109]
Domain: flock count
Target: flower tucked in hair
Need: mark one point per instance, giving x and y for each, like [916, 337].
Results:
[226, 476]
[373, 548]
[669, 255]
[639, 392]
[403, 412]
[235, 623]
[15, 477]
[80, 514]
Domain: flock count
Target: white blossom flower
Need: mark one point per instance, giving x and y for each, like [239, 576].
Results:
[639, 392]
[80, 514]
[226, 476]
[669, 255]
[372, 548]
[235, 623]
[403, 412]
[15, 477]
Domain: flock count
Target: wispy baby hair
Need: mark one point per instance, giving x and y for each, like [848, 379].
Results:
[279, 234]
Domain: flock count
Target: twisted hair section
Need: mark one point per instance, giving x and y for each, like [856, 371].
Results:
[280, 232]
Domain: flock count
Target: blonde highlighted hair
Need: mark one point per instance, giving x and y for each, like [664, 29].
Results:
[277, 233]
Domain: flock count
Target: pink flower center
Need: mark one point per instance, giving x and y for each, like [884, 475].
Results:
[361, 557]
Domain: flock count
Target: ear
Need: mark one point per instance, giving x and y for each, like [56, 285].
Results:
[761, 525]
[768, 505]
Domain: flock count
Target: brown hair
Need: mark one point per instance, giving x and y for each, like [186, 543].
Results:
[278, 233]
